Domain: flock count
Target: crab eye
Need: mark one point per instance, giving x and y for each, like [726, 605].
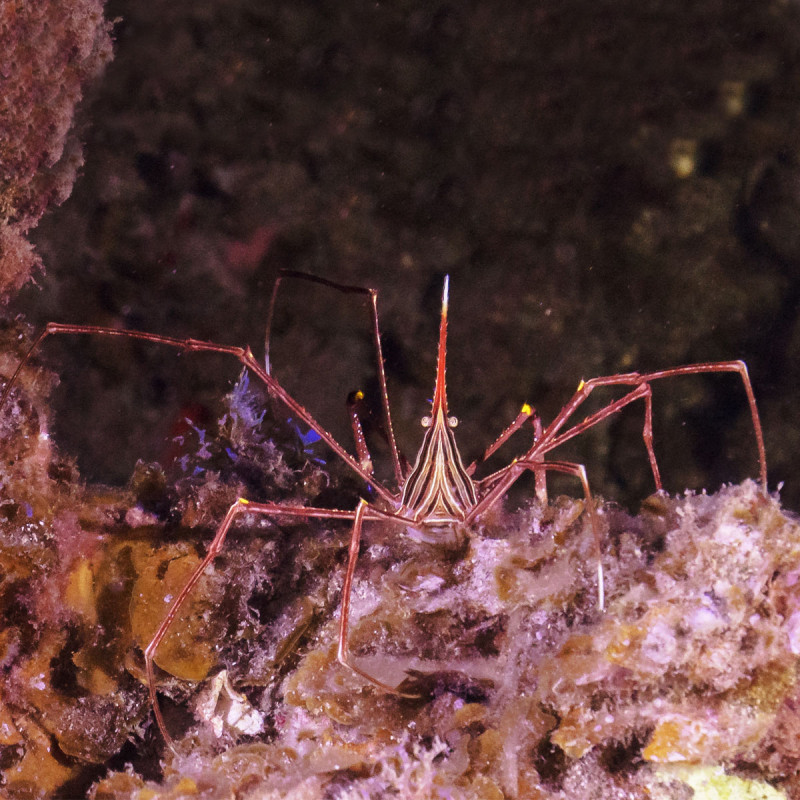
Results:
[452, 421]
[426, 422]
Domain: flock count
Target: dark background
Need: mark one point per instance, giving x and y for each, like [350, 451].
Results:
[610, 185]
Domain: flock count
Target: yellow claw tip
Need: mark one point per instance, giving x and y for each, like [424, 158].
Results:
[526, 409]
[242, 502]
[359, 395]
[362, 501]
[581, 385]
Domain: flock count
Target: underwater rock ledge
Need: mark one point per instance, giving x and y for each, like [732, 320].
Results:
[525, 689]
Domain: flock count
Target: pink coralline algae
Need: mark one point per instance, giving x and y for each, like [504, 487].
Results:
[49, 52]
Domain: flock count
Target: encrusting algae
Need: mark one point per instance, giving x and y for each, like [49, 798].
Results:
[519, 686]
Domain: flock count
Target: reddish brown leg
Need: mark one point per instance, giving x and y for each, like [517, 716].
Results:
[243, 355]
[241, 506]
[645, 392]
[352, 557]
[502, 480]
[343, 652]
[353, 409]
[376, 336]
[552, 438]
[513, 471]
[579, 471]
[539, 473]
[526, 412]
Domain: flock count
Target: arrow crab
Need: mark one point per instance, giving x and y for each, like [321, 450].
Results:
[438, 492]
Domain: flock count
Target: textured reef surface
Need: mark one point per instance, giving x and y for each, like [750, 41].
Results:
[519, 686]
[49, 52]
[626, 200]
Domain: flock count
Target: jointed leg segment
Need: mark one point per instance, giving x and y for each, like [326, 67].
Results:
[510, 474]
[579, 471]
[242, 354]
[553, 436]
[376, 336]
[241, 506]
[342, 652]
[526, 412]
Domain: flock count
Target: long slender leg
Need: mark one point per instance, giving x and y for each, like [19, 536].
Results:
[353, 409]
[352, 557]
[727, 366]
[357, 410]
[343, 652]
[552, 438]
[512, 473]
[376, 336]
[526, 412]
[540, 473]
[647, 436]
[500, 482]
[646, 393]
[243, 355]
[579, 471]
[241, 506]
